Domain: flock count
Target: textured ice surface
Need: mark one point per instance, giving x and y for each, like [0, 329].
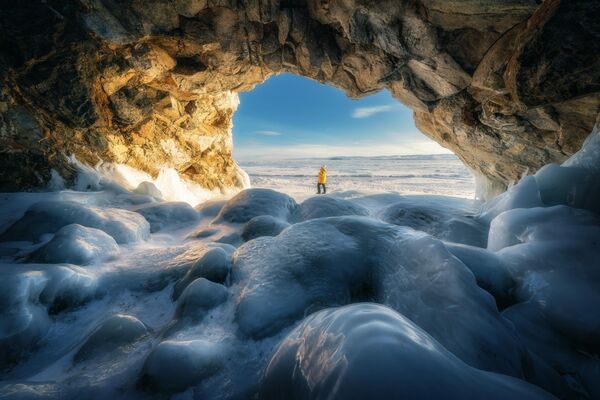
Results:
[436, 218]
[75, 244]
[470, 305]
[199, 297]
[340, 260]
[168, 215]
[49, 216]
[368, 351]
[327, 206]
[175, 365]
[254, 202]
[263, 225]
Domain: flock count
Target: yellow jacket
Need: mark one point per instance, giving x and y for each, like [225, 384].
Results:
[322, 178]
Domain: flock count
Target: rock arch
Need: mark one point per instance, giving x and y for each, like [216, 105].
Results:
[507, 85]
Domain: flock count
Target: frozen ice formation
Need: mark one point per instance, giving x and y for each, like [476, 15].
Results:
[340, 260]
[117, 330]
[251, 203]
[28, 294]
[437, 219]
[169, 214]
[368, 351]
[423, 297]
[327, 206]
[263, 225]
[49, 216]
[199, 297]
[214, 265]
[75, 244]
[176, 365]
[148, 189]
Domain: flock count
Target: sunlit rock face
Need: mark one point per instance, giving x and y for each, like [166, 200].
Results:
[507, 85]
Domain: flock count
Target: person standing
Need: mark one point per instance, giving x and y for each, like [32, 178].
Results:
[322, 180]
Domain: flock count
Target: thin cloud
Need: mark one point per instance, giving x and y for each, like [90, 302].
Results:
[268, 133]
[366, 112]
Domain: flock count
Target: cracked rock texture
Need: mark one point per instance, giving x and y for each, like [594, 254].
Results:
[508, 85]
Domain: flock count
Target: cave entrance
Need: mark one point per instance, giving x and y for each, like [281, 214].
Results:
[288, 126]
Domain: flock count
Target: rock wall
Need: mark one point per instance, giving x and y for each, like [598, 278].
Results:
[508, 85]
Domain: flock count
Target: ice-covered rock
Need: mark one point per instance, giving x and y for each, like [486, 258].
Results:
[327, 206]
[148, 189]
[213, 265]
[27, 294]
[49, 216]
[117, 330]
[173, 366]
[263, 225]
[200, 297]
[210, 208]
[251, 203]
[339, 260]
[524, 194]
[75, 244]
[491, 274]
[553, 254]
[368, 351]
[440, 221]
[170, 214]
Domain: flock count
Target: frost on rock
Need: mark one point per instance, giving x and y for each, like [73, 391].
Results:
[166, 215]
[49, 216]
[173, 366]
[213, 265]
[28, 293]
[210, 208]
[368, 351]
[75, 244]
[339, 260]
[445, 223]
[200, 297]
[327, 206]
[263, 225]
[117, 330]
[251, 203]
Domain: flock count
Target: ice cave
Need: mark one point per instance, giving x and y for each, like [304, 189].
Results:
[138, 262]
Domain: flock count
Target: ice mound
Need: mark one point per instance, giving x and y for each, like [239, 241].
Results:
[173, 366]
[251, 203]
[445, 223]
[75, 244]
[167, 215]
[489, 270]
[327, 206]
[339, 260]
[263, 225]
[368, 351]
[213, 265]
[49, 216]
[28, 293]
[148, 189]
[210, 208]
[200, 297]
[554, 254]
[116, 331]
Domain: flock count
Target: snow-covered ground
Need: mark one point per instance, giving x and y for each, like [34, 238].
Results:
[428, 174]
[114, 293]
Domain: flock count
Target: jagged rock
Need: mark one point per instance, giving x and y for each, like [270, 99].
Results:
[508, 86]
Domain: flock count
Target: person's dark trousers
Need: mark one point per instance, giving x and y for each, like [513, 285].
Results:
[319, 186]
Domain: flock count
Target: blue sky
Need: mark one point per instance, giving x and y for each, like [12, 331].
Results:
[290, 116]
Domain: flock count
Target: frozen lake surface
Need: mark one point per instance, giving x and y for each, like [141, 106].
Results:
[429, 174]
